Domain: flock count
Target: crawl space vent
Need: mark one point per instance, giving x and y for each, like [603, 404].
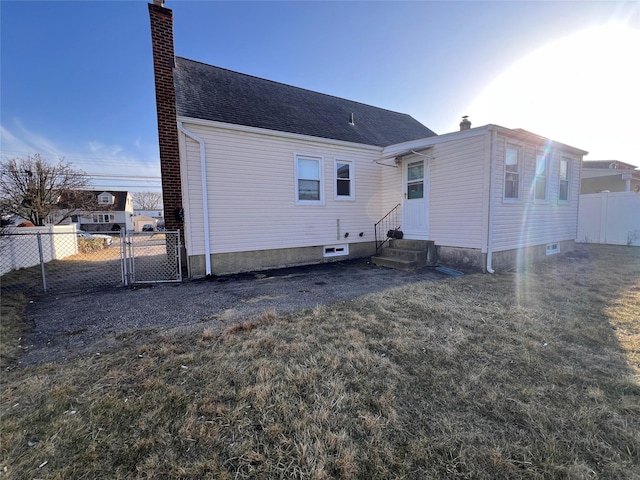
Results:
[553, 248]
[336, 250]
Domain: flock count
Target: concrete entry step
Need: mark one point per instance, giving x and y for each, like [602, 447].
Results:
[419, 245]
[406, 254]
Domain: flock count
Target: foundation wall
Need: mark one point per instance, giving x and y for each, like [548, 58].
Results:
[464, 258]
[511, 260]
[234, 262]
[505, 261]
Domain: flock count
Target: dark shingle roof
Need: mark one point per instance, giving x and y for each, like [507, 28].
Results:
[69, 199]
[213, 93]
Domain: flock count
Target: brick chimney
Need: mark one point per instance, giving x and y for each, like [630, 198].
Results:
[163, 64]
[465, 124]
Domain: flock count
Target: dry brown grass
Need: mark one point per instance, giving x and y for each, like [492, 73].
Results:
[527, 375]
[13, 326]
[79, 271]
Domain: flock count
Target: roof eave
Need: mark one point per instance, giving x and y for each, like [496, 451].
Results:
[273, 133]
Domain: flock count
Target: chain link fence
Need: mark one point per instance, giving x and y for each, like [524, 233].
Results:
[152, 257]
[42, 260]
[55, 261]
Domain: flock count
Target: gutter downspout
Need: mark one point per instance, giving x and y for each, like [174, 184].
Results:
[205, 199]
[492, 150]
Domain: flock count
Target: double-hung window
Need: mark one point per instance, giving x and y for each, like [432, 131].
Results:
[541, 174]
[512, 166]
[103, 218]
[309, 182]
[563, 187]
[344, 180]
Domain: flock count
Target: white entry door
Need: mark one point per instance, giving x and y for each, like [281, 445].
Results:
[415, 205]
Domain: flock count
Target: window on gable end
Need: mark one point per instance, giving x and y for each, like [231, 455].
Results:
[344, 180]
[104, 199]
[309, 180]
[512, 167]
[563, 187]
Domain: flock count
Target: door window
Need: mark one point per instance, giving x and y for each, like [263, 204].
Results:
[415, 180]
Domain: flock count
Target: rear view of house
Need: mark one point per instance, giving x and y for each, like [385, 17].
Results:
[258, 174]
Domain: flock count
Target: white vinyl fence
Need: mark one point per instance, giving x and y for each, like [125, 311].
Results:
[22, 247]
[609, 217]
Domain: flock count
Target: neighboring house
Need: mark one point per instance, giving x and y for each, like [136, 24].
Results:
[258, 175]
[609, 176]
[113, 212]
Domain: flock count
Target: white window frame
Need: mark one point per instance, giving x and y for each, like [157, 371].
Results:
[567, 160]
[352, 191]
[103, 218]
[519, 152]
[320, 161]
[545, 175]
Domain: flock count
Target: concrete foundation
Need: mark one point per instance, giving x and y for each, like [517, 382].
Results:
[463, 258]
[511, 260]
[505, 261]
[235, 262]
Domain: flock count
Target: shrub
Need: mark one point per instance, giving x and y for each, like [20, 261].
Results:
[88, 245]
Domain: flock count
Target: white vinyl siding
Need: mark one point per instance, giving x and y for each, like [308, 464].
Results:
[457, 192]
[533, 222]
[251, 181]
[390, 187]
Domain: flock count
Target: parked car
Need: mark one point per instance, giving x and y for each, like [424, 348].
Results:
[147, 227]
[108, 239]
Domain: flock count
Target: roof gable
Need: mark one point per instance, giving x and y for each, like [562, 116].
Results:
[216, 94]
[119, 200]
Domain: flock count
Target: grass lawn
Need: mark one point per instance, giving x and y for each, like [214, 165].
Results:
[524, 375]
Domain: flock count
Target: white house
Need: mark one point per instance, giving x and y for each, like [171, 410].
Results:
[259, 175]
[113, 211]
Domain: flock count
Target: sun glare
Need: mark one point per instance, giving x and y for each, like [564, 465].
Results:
[583, 90]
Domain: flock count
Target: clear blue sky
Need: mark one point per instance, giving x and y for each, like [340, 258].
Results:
[77, 79]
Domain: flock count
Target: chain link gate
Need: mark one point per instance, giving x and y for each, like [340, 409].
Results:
[151, 257]
[36, 260]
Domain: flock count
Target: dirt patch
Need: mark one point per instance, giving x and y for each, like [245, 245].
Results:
[98, 320]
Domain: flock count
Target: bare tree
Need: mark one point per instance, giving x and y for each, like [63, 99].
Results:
[147, 200]
[38, 191]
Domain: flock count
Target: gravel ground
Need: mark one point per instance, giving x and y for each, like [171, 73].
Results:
[71, 325]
